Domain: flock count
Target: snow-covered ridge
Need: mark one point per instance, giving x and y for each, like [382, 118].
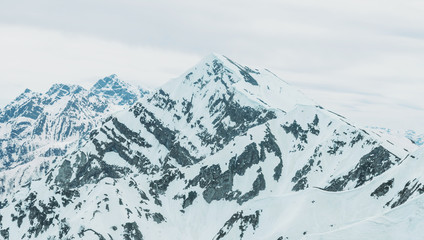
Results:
[258, 85]
[42, 126]
[224, 152]
[412, 136]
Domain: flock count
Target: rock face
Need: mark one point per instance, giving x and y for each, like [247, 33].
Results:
[222, 152]
[39, 127]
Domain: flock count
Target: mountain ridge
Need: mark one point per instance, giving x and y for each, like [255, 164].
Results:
[47, 125]
[221, 152]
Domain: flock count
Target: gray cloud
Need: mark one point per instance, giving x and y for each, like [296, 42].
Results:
[356, 57]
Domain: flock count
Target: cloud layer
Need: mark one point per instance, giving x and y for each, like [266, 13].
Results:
[363, 59]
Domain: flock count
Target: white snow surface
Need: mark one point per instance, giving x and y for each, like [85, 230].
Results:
[295, 170]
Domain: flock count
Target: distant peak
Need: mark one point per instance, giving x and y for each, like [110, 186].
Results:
[28, 93]
[107, 81]
[64, 89]
[116, 90]
[215, 57]
[111, 78]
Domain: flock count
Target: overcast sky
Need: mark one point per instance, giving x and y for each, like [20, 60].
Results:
[362, 59]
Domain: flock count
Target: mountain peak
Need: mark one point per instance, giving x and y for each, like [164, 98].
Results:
[24, 96]
[220, 73]
[106, 81]
[218, 68]
[114, 89]
[223, 139]
[212, 57]
[61, 89]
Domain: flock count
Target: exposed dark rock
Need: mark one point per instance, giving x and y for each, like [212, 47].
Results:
[247, 159]
[159, 186]
[371, 165]
[217, 185]
[406, 193]
[189, 199]
[39, 214]
[68, 195]
[301, 184]
[278, 170]
[64, 228]
[383, 189]
[141, 193]
[356, 139]
[5, 233]
[313, 127]
[219, 188]
[242, 117]
[164, 135]
[258, 185]
[187, 107]
[132, 232]
[336, 147]
[243, 222]
[297, 131]
[158, 218]
[130, 135]
[182, 155]
[269, 143]
[299, 178]
[162, 100]
[54, 152]
[244, 71]
[65, 173]
[304, 171]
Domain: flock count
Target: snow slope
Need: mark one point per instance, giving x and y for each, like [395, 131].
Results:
[412, 137]
[224, 152]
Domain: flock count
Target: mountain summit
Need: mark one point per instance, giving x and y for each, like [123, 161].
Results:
[117, 91]
[216, 72]
[224, 152]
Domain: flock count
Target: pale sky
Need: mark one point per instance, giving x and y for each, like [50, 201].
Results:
[362, 59]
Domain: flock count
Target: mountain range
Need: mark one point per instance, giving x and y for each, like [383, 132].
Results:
[39, 127]
[224, 151]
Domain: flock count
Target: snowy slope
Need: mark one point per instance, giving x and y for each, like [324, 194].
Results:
[418, 139]
[38, 127]
[223, 152]
[412, 137]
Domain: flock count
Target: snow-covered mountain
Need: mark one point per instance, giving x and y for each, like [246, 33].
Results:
[411, 135]
[116, 91]
[39, 127]
[224, 152]
[415, 137]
